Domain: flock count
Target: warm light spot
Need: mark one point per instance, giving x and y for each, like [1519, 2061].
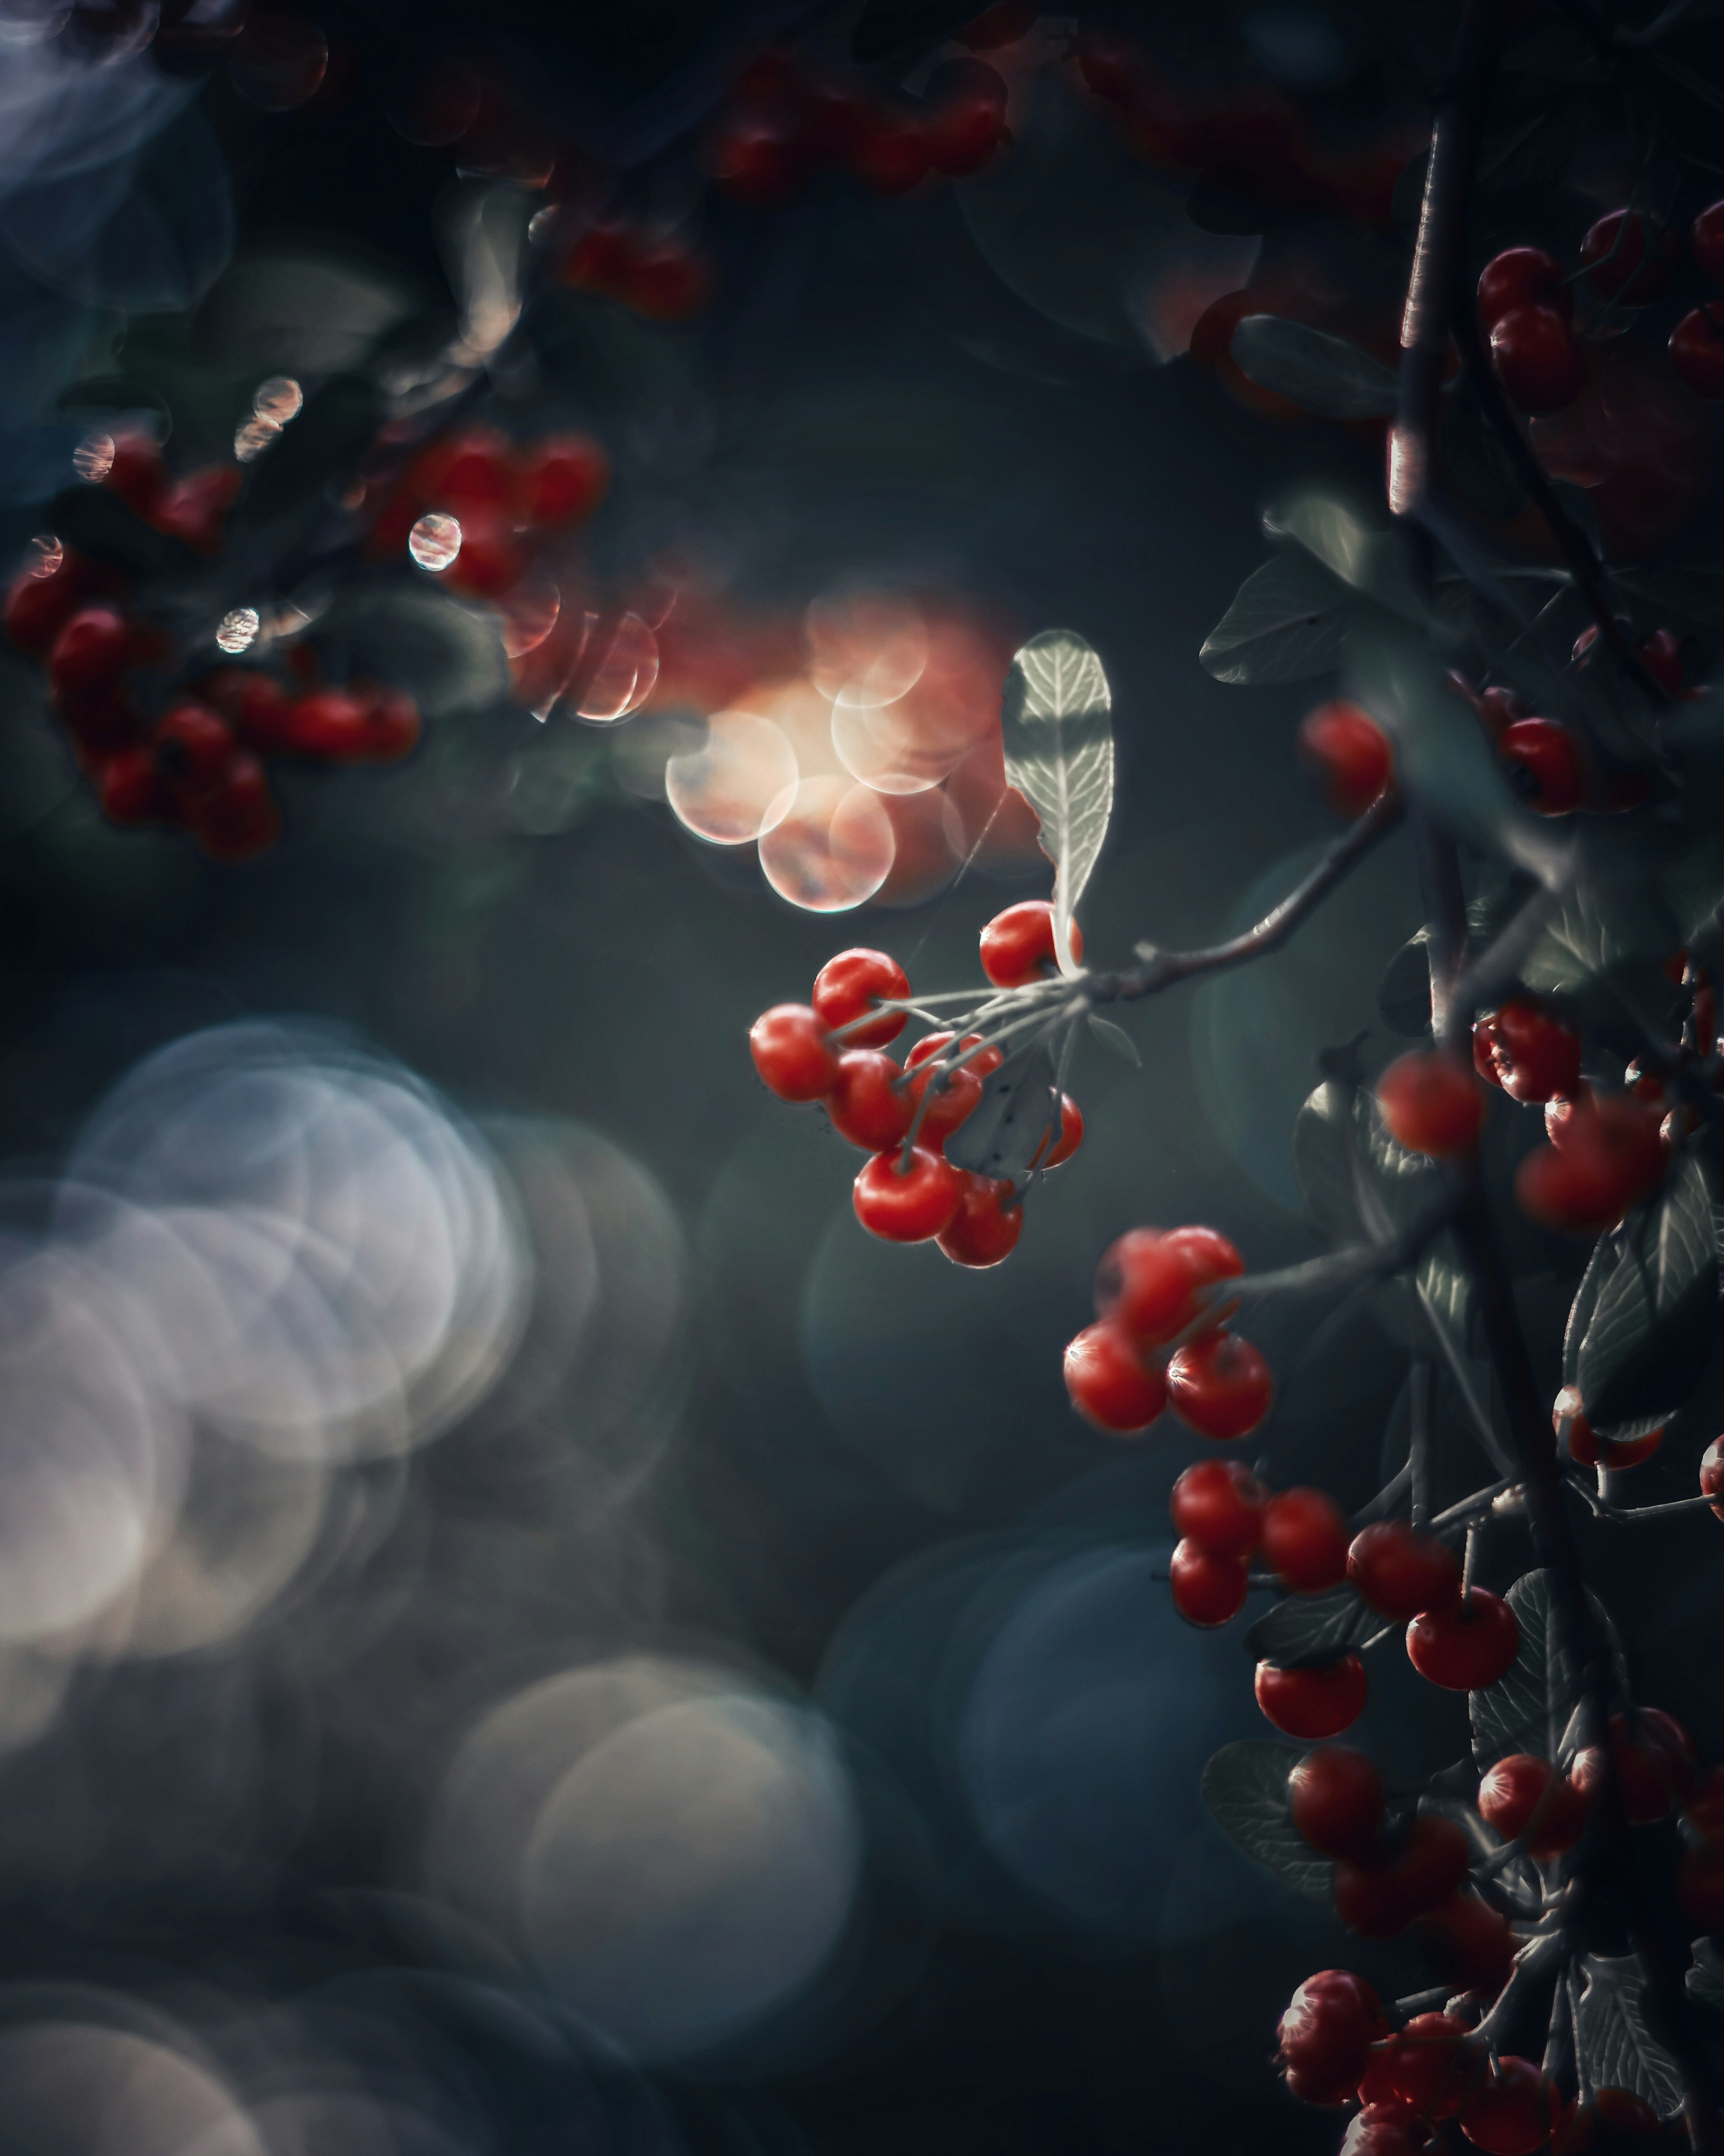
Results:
[623, 678]
[435, 540]
[727, 789]
[279, 399]
[865, 647]
[93, 459]
[238, 630]
[253, 437]
[46, 554]
[830, 845]
[528, 614]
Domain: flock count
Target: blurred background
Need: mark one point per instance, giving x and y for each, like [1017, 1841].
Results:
[521, 1627]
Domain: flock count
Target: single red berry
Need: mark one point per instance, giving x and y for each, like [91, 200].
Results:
[1697, 349]
[865, 1101]
[890, 153]
[1401, 1573]
[1335, 1798]
[1661, 653]
[792, 1054]
[1537, 361]
[138, 473]
[392, 724]
[1511, 2112]
[1110, 1383]
[952, 1093]
[1620, 262]
[1586, 1449]
[1220, 1386]
[1431, 1103]
[193, 747]
[1314, 1703]
[1350, 751]
[1151, 1282]
[92, 649]
[912, 1204]
[330, 724]
[1430, 2065]
[1386, 2129]
[1533, 1056]
[1467, 1644]
[237, 819]
[762, 158]
[1525, 1795]
[1070, 1137]
[131, 788]
[847, 987]
[984, 1064]
[1219, 1505]
[1208, 1590]
[1712, 1473]
[561, 482]
[1305, 1540]
[490, 561]
[194, 511]
[256, 704]
[1519, 276]
[1706, 238]
[41, 600]
[1605, 1155]
[1542, 755]
[1018, 945]
[1326, 2033]
[1379, 1900]
[985, 1228]
[1472, 1943]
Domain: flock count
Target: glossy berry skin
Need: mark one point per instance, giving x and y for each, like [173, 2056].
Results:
[1429, 2065]
[1220, 1387]
[1305, 1540]
[911, 1205]
[890, 153]
[1219, 1505]
[1521, 276]
[1661, 653]
[1109, 1384]
[1325, 2034]
[1336, 1797]
[985, 1228]
[1071, 1136]
[1401, 1573]
[1465, 1645]
[1430, 1103]
[1018, 945]
[1386, 2129]
[491, 560]
[1472, 1944]
[848, 987]
[1706, 238]
[1537, 361]
[138, 473]
[1621, 264]
[866, 1104]
[1543, 753]
[92, 649]
[1712, 1473]
[952, 1094]
[1521, 1790]
[1350, 751]
[1150, 1281]
[1512, 2111]
[789, 1047]
[1528, 1052]
[330, 724]
[1316, 1703]
[1604, 1155]
[1697, 349]
[1208, 1590]
[1586, 1449]
[393, 724]
[965, 120]
[561, 482]
[1378, 1901]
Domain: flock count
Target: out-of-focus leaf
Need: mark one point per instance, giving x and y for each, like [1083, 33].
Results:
[1313, 370]
[448, 657]
[1655, 1314]
[1287, 621]
[95, 522]
[1058, 744]
[299, 314]
[1618, 2048]
[331, 433]
[1116, 1040]
[1009, 1126]
[1352, 540]
[1311, 1628]
[1244, 1788]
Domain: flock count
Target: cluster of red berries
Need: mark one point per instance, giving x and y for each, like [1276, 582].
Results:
[1159, 1341]
[656, 274]
[832, 1050]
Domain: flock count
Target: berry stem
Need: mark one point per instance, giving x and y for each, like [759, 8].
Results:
[1418, 1466]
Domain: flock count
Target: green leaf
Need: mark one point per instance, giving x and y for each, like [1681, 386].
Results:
[1058, 742]
[1519, 1712]
[1244, 1788]
[1318, 372]
[1116, 1040]
[1617, 2046]
[448, 657]
[1010, 1123]
[1352, 540]
[1286, 624]
[1305, 1629]
[1656, 1317]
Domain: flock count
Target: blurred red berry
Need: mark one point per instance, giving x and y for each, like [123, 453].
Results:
[1351, 751]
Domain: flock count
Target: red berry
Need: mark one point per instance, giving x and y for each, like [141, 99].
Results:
[1517, 277]
[193, 746]
[1586, 1449]
[1305, 1540]
[1712, 1473]
[1208, 1590]
[760, 158]
[1071, 1136]
[1401, 1573]
[1697, 349]
[256, 704]
[1621, 265]
[790, 1051]
[847, 987]
[1351, 751]
[1430, 2064]
[1326, 2033]
[1533, 1056]
[332, 724]
[91, 650]
[132, 791]
[669, 283]
[1511, 2112]
[392, 724]
[907, 1205]
[39, 602]
[1654, 1767]
[1544, 756]
[1380, 1899]
[561, 482]
[1605, 1155]
[1151, 1283]
[1706, 237]
[195, 509]
[1314, 1703]
[952, 1093]
[1465, 1645]
[1472, 1943]
[1220, 1387]
[985, 1228]
[1537, 361]
[889, 154]
[1336, 1797]
[1522, 1794]
[490, 561]
[1109, 1384]
[138, 473]
[1018, 945]
[471, 470]
[238, 819]
[1430, 1103]
[1386, 2129]
[1219, 1505]
[965, 121]
[866, 1103]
